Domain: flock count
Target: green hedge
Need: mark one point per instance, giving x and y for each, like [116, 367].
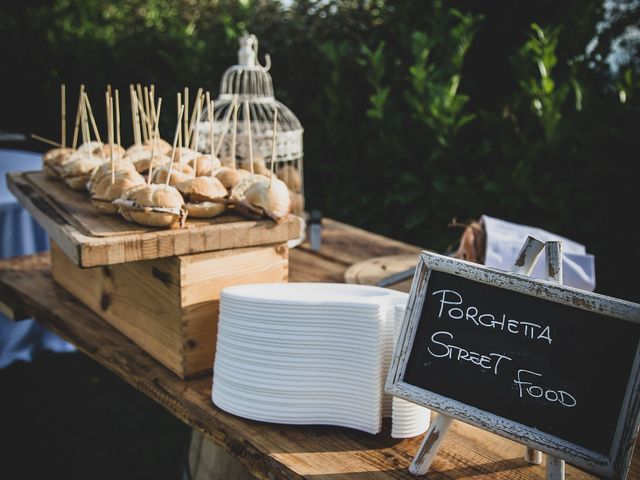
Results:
[414, 112]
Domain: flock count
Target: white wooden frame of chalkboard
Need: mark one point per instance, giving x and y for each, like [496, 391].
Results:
[616, 464]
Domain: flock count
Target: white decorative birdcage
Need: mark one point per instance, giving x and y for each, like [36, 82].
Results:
[244, 122]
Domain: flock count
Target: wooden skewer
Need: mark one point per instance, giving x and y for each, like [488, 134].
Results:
[139, 128]
[154, 140]
[175, 141]
[195, 137]
[195, 160]
[152, 100]
[109, 103]
[227, 119]
[140, 103]
[134, 121]
[211, 139]
[146, 121]
[45, 140]
[234, 134]
[185, 117]
[112, 139]
[78, 115]
[208, 103]
[274, 146]
[118, 139]
[190, 132]
[148, 112]
[196, 124]
[86, 135]
[93, 120]
[180, 117]
[247, 121]
[63, 105]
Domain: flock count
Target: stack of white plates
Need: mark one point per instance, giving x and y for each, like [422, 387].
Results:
[310, 354]
[409, 419]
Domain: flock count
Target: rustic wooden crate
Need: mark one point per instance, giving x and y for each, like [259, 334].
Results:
[169, 306]
[160, 287]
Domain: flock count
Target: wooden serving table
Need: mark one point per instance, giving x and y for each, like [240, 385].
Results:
[269, 451]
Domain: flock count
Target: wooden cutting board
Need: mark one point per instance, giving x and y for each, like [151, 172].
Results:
[371, 271]
[91, 238]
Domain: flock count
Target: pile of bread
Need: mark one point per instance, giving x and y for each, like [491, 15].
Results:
[158, 184]
[161, 203]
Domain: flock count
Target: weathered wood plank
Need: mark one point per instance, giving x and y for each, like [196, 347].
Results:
[91, 239]
[269, 451]
[347, 244]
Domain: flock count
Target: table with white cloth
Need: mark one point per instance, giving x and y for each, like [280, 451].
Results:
[21, 235]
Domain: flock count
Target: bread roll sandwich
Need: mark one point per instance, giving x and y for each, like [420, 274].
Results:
[53, 160]
[104, 192]
[204, 197]
[154, 205]
[270, 198]
[204, 165]
[179, 173]
[78, 170]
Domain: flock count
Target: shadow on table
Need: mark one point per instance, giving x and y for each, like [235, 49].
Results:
[480, 470]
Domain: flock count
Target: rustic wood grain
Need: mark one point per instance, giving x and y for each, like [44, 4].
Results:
[347, 244]
[370, 272]
[91, 239]
[269, 451]
[169, 306]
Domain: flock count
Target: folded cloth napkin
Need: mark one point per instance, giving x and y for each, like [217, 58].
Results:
[505, 239]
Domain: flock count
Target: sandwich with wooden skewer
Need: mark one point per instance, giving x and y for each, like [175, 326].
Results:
[265, 197]
[205, 164]
[152, 204]
[229, 175]
[114, 177]
[177, 170]
[53, 159]
[205, 196]
[80, 165]
[184, 154]
[238, 192]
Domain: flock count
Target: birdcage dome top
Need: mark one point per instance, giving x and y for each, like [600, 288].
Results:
[245, 110]
[249, 81]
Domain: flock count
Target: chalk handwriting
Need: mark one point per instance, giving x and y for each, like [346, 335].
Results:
[524, 380]
[451, 306]
[440, 349]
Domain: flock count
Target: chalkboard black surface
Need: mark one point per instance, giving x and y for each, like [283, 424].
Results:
[523, 358]
[564, 372]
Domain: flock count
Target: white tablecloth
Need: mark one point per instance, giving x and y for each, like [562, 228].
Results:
[21, 235]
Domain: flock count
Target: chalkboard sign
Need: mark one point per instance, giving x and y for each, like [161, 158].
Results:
[552, 367]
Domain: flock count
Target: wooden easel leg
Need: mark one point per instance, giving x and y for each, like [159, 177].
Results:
[555, 468]
[533, 456]
[525, 261]
[553, 273]
[430, 445]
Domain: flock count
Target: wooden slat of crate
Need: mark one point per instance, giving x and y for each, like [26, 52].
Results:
[169, 306]
[93, 239]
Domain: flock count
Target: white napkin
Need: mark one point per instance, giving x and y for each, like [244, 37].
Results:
[505, 239]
